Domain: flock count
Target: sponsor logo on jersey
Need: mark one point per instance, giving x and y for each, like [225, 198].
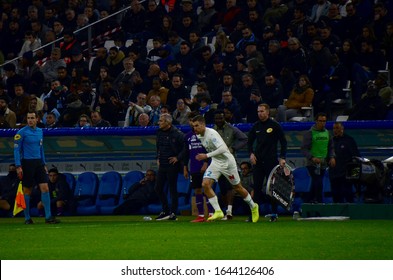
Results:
[17, 137]
[269, 130]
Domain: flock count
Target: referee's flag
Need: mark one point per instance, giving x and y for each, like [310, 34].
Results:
[20, 203]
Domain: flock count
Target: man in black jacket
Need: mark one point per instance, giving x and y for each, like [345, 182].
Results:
[266, 133]
[139, 195]
[345, 148]
[170, 143]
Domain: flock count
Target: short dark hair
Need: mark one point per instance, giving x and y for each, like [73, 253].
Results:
[53, 170]
[199, 118]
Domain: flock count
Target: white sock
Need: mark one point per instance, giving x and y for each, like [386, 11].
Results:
[214, 202]
[229, 209]
[249, 201]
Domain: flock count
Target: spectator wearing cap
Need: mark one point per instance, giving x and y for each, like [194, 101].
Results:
[78, 61]
[275, 13]
[165, 53]
[188, 63]
[268, 34]
[174, 41]
[49, 69]
[7, 116]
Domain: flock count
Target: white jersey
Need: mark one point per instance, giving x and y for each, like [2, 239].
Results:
[223, 162]
[212, 141]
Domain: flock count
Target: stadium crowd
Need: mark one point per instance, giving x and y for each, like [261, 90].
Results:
[179, 56]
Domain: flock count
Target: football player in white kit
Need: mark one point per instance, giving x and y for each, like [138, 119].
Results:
[223, 163]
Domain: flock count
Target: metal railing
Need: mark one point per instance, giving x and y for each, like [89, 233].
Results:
[89, 35]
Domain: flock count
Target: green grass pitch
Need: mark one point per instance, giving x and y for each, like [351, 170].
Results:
[132, 238]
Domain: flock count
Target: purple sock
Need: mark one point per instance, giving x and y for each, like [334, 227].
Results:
[199, 204]
[41, 212]
[60, 211]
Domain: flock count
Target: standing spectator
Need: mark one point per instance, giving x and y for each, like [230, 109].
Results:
[318, 149]
[345, 148]
[135, 109]
[170, 144]
[99, 60]
[223, 163]
[229, 102]
[235, 140]
[31, 165]
[265, 134]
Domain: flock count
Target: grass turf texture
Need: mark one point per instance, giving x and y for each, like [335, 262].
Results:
[130, 237]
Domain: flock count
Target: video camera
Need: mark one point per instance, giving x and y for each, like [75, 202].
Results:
[375, 175]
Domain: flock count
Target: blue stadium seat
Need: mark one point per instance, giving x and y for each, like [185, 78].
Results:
[184, 197]
[108, 192]
[184, 190]
[130, 179]
[85, 193]
[70, 178]
[302, 186]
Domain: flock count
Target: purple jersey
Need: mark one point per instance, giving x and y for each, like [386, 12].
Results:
[194, 147]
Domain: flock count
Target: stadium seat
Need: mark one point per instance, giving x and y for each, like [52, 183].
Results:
[108, 192]
[108, 44]
[326, 188]
[184, 197]
[70, 178]
[302, 186]
[85, 193]
[184, 191]
[129, 179]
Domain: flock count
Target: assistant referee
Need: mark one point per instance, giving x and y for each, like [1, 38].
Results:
[30, 165]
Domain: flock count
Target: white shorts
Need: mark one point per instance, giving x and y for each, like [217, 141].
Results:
[229, 170]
